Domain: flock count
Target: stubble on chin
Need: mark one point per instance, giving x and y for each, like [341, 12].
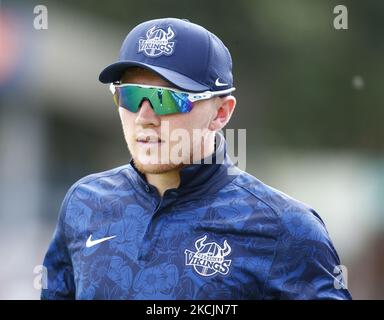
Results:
[157, 168]
[146, 163]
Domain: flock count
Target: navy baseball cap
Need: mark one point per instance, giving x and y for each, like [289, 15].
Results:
[181, 52]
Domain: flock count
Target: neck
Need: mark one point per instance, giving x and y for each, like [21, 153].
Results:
[171, 179]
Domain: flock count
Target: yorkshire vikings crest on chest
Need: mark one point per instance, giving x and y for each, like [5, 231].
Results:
[209, 257]
[157, 42]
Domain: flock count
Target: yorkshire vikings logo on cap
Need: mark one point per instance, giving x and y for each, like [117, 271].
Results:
[209, 258]
[157, 42]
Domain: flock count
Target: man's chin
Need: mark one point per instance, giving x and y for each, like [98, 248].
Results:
[156, 168]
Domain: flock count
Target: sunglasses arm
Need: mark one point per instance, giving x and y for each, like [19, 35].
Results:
[209, 94]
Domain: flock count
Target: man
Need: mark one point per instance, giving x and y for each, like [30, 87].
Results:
[180, 221]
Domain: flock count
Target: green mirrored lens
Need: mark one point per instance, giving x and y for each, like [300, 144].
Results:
[163, 101]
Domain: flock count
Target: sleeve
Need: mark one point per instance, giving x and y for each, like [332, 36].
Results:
[60, 281]
[306, 265]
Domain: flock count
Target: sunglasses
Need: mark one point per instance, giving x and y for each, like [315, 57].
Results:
[163, 100]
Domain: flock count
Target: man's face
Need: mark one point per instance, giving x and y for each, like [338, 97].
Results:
[179, 143]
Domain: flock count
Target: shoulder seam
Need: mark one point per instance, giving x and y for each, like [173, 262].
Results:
[257, 197]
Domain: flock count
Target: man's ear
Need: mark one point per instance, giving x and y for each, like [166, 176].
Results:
[225, 108]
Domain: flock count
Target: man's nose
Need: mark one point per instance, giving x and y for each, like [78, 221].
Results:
[146, 115]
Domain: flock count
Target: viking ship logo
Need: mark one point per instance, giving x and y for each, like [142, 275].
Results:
[209, 257]
[157, 42]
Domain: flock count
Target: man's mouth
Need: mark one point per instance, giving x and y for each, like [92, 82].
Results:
[149, 140]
